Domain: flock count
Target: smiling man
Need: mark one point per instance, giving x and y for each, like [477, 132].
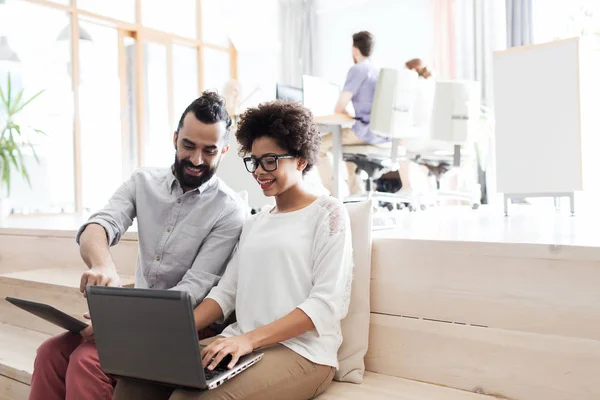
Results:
[188, 224]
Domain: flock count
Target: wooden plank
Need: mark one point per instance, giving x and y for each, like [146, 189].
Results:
[495, 247]
[13, 390]
[383, 387]
[24, 253]
[502, 363]
[76, 113]
[126, 144]
[18, 347]
[199, 51]
[140, 96]
[63, 277]
[170, 89]
[233, 61]
[552, 296]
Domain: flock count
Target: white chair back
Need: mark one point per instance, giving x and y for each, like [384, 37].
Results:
[456, 110]
[393, 103]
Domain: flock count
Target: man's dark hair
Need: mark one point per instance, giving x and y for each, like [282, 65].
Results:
[364, 41]
[289, 124]
[210, 109]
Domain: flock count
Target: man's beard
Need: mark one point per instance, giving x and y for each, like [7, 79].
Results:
[188, 181]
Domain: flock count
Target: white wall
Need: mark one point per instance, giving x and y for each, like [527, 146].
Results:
[403, 30]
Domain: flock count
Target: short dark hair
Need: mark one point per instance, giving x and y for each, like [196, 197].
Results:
[288, 123]
[210, 109]
[364, 41]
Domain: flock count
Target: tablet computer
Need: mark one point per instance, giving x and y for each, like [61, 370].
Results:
[50, 314]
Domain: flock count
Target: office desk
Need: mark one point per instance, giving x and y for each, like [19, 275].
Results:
[335, 123]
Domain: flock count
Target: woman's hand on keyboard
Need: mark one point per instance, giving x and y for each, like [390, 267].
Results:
[237, 346]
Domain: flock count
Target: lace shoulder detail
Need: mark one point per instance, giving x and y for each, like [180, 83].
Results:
[335, 218]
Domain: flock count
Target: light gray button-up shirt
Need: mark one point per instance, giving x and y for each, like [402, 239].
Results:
[185, 239]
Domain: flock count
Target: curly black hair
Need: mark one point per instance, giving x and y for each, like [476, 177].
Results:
[289, 124]
[210, 109]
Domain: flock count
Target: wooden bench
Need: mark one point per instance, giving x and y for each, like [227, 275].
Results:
[515, 321]
[450, 320]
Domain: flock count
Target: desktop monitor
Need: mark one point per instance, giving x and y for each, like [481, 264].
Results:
[289, 93]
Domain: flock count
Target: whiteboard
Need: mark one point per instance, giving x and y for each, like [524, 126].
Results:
[537, 107]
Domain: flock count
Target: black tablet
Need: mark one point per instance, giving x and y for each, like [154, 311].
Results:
[50, 314]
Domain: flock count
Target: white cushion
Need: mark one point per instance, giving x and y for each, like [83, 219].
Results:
[355, 327]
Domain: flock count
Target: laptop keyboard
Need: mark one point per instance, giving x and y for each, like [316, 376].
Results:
[214, 373]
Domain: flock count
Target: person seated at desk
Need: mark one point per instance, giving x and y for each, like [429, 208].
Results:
[413, 175]
[289, 279]
[360, 88]
[189, 221]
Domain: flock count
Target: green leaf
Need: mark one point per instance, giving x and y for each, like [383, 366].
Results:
[3, 98]
[11, 153]
[17, 101]
[9, 93]
[5, 172]
[40, 132]
[17, 109]
[22, 169]
[34, 152]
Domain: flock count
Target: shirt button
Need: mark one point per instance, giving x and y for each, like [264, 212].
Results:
[157, 258]
[169, 229]
[179, 201]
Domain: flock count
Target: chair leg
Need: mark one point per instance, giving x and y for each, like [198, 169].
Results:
[370, 184]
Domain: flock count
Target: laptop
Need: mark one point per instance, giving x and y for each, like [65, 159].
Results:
[289, 93]
[50, 314]
[150, 335]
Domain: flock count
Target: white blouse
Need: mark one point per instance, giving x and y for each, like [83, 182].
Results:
[301, 259]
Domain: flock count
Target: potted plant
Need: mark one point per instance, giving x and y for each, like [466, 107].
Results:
[13, 137]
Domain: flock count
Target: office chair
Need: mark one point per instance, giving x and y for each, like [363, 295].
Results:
[454, 124]
[391, 117]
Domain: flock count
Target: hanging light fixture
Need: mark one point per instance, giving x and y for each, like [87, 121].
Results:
[65, 34]
[6, 52]
[85, 44]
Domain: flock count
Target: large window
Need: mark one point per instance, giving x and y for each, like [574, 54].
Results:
[39, 38]
[116, 76]
[100, 114]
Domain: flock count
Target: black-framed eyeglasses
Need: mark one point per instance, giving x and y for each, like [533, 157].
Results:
[268, 162]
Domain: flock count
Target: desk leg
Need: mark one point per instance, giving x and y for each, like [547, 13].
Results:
[336, 151]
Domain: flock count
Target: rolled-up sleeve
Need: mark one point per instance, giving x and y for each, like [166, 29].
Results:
[215, 252]
[329, 297]
[117, 216]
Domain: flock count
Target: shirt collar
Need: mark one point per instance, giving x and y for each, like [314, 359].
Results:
[172, 182]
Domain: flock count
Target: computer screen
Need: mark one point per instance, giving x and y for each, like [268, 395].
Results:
[289, 93]
[320, 96]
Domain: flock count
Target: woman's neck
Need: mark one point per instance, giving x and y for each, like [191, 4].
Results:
[295, 198]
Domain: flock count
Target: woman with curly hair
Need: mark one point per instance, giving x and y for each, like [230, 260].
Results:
[289, 279]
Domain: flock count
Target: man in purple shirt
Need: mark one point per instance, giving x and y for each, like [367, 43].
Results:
[360, 88]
